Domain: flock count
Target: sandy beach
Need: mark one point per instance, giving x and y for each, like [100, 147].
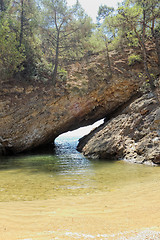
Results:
[129, 213]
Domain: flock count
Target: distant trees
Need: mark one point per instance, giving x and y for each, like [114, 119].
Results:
[134, 24]
[1, 5]
[41, 35]
[141, 18]
[105, 12]
[39, 38]
[11, 55]
[18, 20]
[64, 30]
[151, 21]
[27, 29]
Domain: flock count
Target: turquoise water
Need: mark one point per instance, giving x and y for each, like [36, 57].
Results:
[66, 172]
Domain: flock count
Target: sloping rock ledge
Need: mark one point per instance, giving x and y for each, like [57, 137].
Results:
[132, 135]
[34, 115]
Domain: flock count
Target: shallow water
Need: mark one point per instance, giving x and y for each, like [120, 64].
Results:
[72, 197]
[66, 172]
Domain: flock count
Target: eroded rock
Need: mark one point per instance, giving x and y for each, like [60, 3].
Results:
[35, 115]
[133, 135]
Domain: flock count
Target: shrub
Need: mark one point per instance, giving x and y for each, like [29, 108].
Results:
[11, 56]
[133, 59]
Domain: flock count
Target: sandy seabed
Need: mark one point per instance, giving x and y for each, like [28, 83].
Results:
[132, 212]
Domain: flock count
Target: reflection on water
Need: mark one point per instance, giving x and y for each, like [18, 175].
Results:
[70, 160]
[66, 172]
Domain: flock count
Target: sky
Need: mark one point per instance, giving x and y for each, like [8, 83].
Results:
[91, 6]
[83, 130]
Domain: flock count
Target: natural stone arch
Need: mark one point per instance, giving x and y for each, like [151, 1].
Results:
[34, 116]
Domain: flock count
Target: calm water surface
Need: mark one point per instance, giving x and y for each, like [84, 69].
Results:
[66, 172]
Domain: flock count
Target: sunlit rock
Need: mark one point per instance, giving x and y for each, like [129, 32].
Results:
[132, 135]
[36, 115]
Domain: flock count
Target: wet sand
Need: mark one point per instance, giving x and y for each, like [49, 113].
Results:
[130, 212]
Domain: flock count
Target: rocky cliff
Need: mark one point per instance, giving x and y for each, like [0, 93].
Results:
[34, 115]
[133, 134]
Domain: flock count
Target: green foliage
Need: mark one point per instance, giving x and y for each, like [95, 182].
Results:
[103, 12]
[11, 57]
[37, 41]
[62, 74]
[116, 43]
[136, 17]
[33, 57]
[133, 59]
[66, 31]
[132, 39]
[96, 42]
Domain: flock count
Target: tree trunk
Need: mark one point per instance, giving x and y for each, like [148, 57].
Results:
[144, 51]
[154, 35]
[56, 61]
[151, 82]
[22, 23]
[108, 59]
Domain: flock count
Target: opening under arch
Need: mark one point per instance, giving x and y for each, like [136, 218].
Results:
[80, 132]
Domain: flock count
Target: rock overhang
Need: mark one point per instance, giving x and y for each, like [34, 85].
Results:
[35, 115]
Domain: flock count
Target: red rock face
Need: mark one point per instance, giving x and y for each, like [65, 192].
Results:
[35, 115]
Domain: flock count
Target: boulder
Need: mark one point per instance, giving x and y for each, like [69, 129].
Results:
[132, 135]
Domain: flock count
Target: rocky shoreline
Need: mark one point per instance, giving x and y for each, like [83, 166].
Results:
[133, 135]
[33, 115]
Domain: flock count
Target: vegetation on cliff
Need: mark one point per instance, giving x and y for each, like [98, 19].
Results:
[39, 39]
